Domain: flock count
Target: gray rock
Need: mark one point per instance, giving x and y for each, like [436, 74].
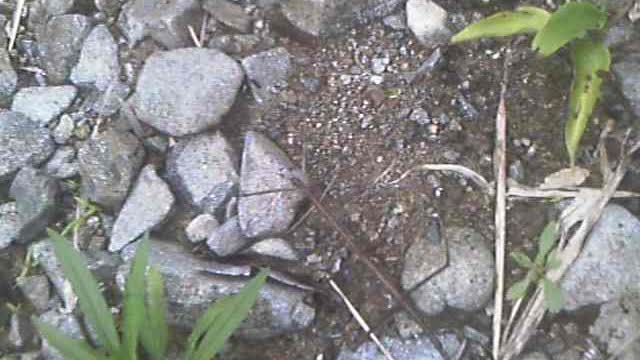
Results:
[419, 348]
[8, 77]
[64, 130]
[534, 356]
[109, 163]
[228, 13]
[466, 284]
[147, 206]
[395, 22]
[186, 91]
[199, 228]
[108, 102]
[627, 71]
[608, 263]
[9, 224]
[278, 248]
[157, 143]
[164, 21]
[68, 324]
[617, 324]
[192, 289]
[36, 196]
[21, 331]
[60, 44]
[36, 289]
[44, 104]
[428, 22]
[265, 167]
[22, 143]
[227, 239]
[268, 72]
[98, 64]
[41, 10]
[109, 7]
[204, 171]
[63, 164]
[237, 44]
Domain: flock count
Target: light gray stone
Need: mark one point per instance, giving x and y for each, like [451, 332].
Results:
[8, 77]
[228, 13]
[268, 72]
[617, 324]
[9, 224]
[98, 64]
[227, 239]
[627, 71]
[36, 196]
[428, 22]
[44, 104]
[201, 227]
[420, 348]
[275, 247]
[68, 324]
[64, 130]
[63, 163]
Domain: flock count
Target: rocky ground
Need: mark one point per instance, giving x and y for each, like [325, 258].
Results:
[220, 139]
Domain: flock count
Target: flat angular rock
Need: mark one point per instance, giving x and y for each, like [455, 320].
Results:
[428, 22]
[109, 163]
[227, 239]
[268, 72]
[204, 171]
[266, 167]
[98, 64]
[147, 206]
[627, 71]
[275, 247]
[22, 143]
[63, 164]
[9, 224]
[186, 91]
[164, 21]
[419, 348]
[192, 287]
[200, 227]
[8, 77]
[44, 104]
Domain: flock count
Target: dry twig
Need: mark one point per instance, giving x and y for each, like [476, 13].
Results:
[459, 169]
[15, 23]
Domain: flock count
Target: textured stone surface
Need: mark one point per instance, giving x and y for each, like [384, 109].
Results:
[186, 91]
[8, 77]
[9, 224]
[617, 324]
[63, 163]
[21, 330]
[36, 289]
[278, 248]
[266, 167]
[204, 171]
[419, 348]
[98, 64]
[228, 13]
[148, 205]
[64, 130]
[68, 324]
[43, 104]
[268, 72]
[200, 227]
[109, 163]
[627, 71]
[22, 143]
[227, 239]
[428, 22]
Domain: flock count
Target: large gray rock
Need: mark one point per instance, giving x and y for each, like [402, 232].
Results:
[98, 64]
[193, 285]
[22, 143]
[627, 71]
[60, 44]
[63, 164]
[227, 239]
[268, 72]
[609, 262]
[9, 224]
[275, 247]
[8, 77]
[617, 324]
[186, 91]
[166, 22]
[44, 104]
[204, 171]
[428, 22]
[466, 284]
[420, 348]
[109, 162]
[147, 206]
[36, 196]
[265, 168]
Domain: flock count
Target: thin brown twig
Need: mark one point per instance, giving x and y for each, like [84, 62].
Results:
[312, 208]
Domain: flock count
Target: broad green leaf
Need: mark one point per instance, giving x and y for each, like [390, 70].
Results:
[155, 336]
[519, 289]
[92, 304]
[571, 21]
[546, 242]
[526, 19]
[229, 320]
[69, 348]
[133, 308]
[522, 260]
[590, 58]
[553, 297]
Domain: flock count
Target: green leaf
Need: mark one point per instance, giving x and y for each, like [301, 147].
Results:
[519, 289]
[526, 19]
[205, 322]
[546, 242]
[69, 348]
[553, 297]
[228, 321]
[133, 308]
[590, 57]
[552, 262]
[571, 21]
[522, 260]
[155, 336]
[92, 304]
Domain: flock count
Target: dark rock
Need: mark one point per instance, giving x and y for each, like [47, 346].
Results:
[186, 91]
[627, 71]
[98, 64]
[419, 348]
[199, 228]
[8, 77]
[267, 72]
[63, 164]
[227, 239]
[109, 163]
[265, 167]
[278, 248]
[428, 22]
[617, 325]
[203, 169]
[36, 196]
[36, 289]
[21, 331]
[44, 104]
[22, 143]
[228, 13]
[157, 143]
[9, 224]
[147, 206]
[60, 44]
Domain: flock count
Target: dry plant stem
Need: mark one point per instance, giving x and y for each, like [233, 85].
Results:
[512, 317]
[311, 208]
[500, 174]
[15, 23]
[194, 37]
[521, 191]
[363, 324]
[464, 171]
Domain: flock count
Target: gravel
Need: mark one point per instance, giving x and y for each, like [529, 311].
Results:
[98, 64]
[44, 104]
[428, 22]
[268, 72]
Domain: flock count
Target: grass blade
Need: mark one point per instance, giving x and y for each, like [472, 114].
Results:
[519, 289]
[133, 308]
[92, 304]
[526, 19]
[205, 322]
[155, 336]
[69, 348]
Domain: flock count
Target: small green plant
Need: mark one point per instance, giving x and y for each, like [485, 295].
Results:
[143, 321]
[537, 269]
[575, 24]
